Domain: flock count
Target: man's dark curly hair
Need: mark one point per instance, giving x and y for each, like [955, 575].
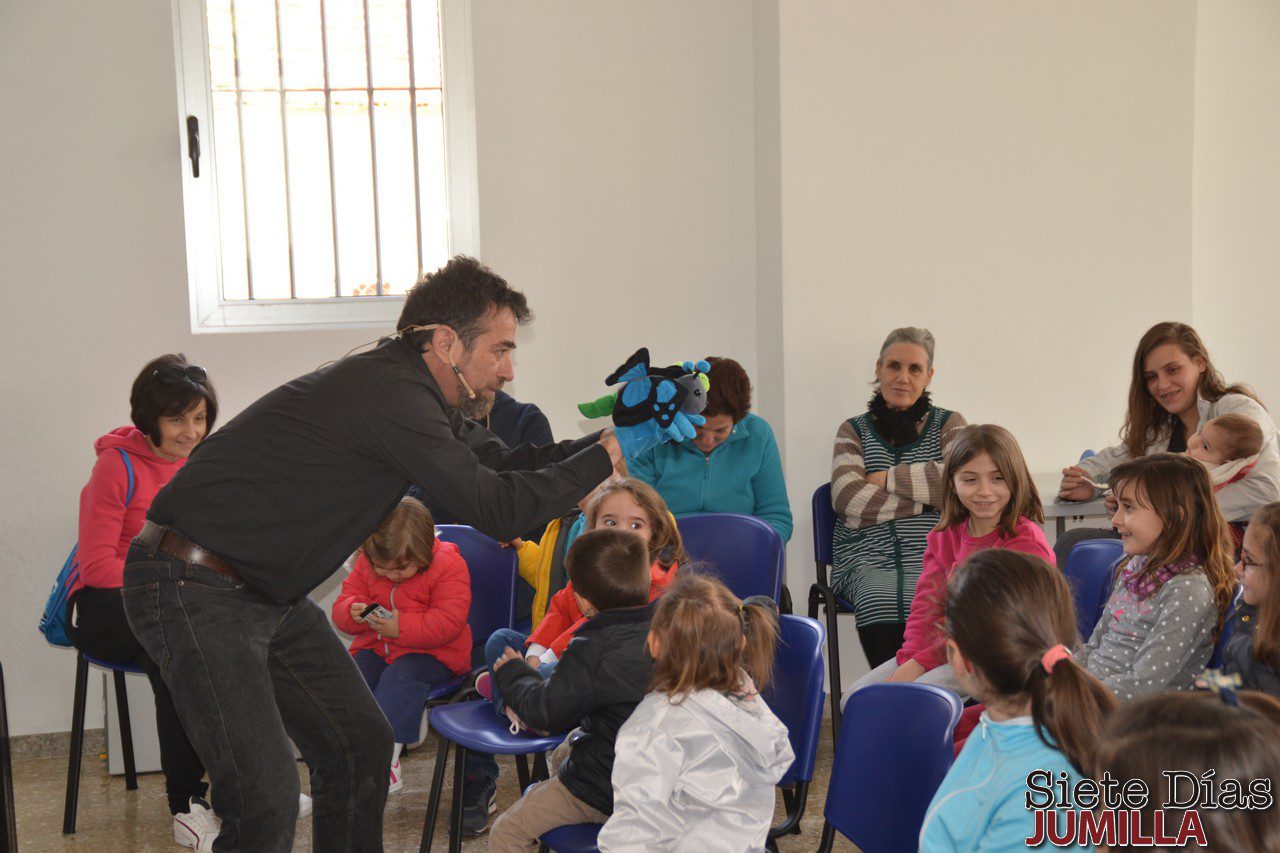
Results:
[460, 295]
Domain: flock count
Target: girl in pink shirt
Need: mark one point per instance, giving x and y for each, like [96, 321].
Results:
[988, 501]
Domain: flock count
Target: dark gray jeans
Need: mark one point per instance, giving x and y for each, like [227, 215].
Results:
[247, 676]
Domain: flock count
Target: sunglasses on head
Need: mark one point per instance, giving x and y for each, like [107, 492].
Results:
[171, 374]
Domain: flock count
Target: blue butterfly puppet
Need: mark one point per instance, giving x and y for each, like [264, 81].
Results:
[654, 404]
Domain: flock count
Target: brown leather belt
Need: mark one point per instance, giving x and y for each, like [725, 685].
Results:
[174, 544]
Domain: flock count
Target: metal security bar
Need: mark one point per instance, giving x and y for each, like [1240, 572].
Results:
[289, 231]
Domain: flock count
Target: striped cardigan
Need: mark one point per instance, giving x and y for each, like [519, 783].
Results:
[880, 532]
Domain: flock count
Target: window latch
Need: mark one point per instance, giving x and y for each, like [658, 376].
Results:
[193, 145]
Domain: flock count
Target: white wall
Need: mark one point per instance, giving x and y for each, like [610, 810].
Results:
[1014, 176]
[616, 188]
[616, 185]
[780, 182]
[1236, 248]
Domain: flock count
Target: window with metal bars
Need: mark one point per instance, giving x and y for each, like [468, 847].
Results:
[329, 156]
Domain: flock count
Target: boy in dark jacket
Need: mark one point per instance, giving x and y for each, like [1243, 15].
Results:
[601, 678]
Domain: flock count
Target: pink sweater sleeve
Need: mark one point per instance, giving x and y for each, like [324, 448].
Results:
[102, 509]
[1030, 539]
[922, 641]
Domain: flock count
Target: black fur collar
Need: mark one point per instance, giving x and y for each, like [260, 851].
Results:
[895, 426]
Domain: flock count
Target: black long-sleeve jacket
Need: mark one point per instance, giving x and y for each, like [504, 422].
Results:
[598, 682]
[291, 486]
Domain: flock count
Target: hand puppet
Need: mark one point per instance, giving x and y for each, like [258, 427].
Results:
[654, 404]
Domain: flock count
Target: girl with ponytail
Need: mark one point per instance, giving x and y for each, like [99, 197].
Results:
[697, 761]
[1010, 628]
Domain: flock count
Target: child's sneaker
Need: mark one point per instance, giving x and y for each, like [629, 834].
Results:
[484, 685]
[397, 778]
[197, 827]
[304, 806]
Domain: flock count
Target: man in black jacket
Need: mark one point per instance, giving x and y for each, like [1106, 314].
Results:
[602, 676]
[270, 505]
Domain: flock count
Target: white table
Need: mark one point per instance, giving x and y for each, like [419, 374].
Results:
[1047, 484]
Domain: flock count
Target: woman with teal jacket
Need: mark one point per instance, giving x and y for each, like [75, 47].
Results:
[731, 465]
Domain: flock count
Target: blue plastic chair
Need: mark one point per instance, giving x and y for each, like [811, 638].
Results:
[1090, 571]
[493, 587]
[118, 671]
[821, 593]
[744, 551]
[895, 747]
[795, 695]
[475, 726]
[1228, 628]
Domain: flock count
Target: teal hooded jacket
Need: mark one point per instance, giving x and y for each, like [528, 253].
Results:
[742, 475]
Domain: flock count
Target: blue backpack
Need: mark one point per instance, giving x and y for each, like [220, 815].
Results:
[53, 623]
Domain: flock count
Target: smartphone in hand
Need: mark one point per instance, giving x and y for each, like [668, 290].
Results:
[375, 609]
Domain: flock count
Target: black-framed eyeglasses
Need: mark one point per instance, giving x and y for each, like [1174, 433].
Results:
[172, 374]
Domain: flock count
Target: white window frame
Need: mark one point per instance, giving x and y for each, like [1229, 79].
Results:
[209, 311]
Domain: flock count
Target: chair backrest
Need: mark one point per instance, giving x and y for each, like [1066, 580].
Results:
[824, 524]
[1228, 628]
[1089, 570]
[796, 691]
[743, 551]
[493, 579]
[893, 751]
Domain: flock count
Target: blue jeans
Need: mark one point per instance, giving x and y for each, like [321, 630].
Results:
[478, 763]
[498, 642]
[247, 676]
[401, 688]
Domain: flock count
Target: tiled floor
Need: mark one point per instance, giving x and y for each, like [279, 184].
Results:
[113, 819]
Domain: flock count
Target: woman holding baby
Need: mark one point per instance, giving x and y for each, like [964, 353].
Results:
[1179, 403]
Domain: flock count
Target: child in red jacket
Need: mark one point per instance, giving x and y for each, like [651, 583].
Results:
[423, 584]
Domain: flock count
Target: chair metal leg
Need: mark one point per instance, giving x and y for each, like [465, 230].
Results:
[828, 837]
[455, 816]
[540, 770]
[833, 660]
[8, 820]
[795, 801]
[433, 799]
[77, 746]
[815, 596]
[522, 772]
[126, 732]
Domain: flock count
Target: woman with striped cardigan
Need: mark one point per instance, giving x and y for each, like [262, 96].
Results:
[886, 485]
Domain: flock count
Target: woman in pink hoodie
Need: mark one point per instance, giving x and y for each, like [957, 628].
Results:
[988, 501]
[173, 407]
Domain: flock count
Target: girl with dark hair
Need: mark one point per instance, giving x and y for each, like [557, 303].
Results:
[1173, 585]
[1254, 648]
[1173, 389]
[173, 406]
[886, 487]
[1204, 736]
[988, 501]
[697, 761]
[731, 465]
[1010, 629]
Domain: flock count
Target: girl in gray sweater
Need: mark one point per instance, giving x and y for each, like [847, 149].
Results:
[1174, 584]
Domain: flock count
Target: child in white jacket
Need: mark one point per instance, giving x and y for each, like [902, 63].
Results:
[697, 761]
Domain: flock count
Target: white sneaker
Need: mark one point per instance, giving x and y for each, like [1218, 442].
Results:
[304, 806]
[197, 827]
[397, 778]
